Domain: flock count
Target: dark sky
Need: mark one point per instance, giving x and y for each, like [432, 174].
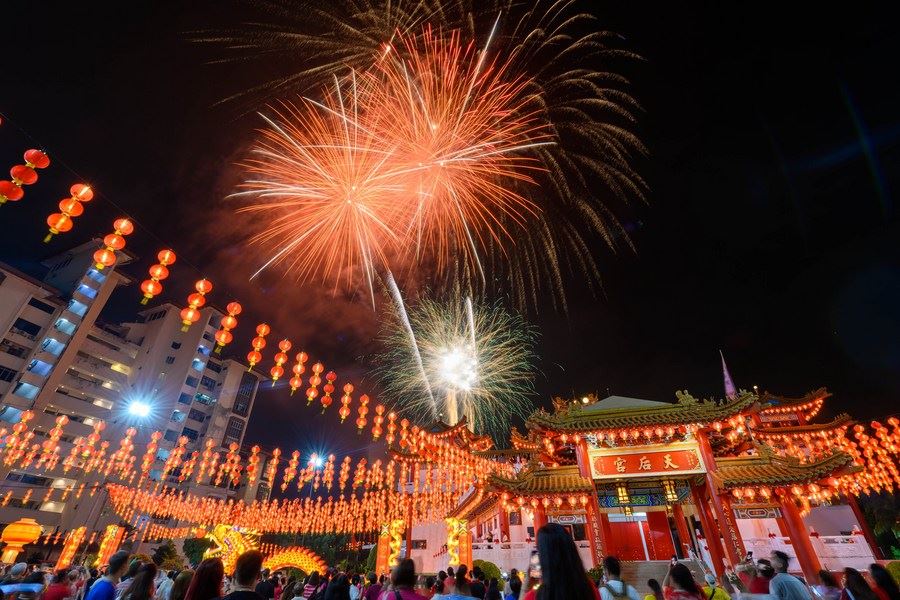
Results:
[770, 231]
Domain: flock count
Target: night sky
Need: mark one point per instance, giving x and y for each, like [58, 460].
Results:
[770, 230]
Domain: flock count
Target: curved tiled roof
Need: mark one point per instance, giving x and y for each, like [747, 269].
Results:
[576, 418]
[842, 420]
[809, 401]
[541, 481]
[770, 469]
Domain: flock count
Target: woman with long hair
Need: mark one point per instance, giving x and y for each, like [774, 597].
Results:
[338, 589]
[403, 582]
[142, 587]
[828, 588]
[856, 587]
[680, 585]
[288, 591]
[562, 573]
[206, 584]
[656, 591]
[885, 586]
[313, 585]
[180, 585]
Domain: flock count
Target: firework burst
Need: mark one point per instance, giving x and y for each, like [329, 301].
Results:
[458, 357]
[573, 89]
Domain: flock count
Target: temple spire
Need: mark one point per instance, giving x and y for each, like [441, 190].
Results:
[730, 390]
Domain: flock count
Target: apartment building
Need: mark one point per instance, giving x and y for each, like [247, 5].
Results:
[56, 358]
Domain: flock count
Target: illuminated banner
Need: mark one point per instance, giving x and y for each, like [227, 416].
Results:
[645, 461]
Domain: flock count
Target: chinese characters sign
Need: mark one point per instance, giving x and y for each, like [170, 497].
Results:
[633, 462]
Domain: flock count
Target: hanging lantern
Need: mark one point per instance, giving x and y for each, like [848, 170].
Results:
[312, 392]
[328, 388]
[23, 175]
[70, 208]
[281, 357]
[191, 313]
[363, 411]
[344, 411]
[229, 322]
[298, 369]
[378, 420]
[258, 343]
[152, 287]
[106, 256]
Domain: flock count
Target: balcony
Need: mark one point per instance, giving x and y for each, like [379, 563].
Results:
[33, 378]
[24, 335]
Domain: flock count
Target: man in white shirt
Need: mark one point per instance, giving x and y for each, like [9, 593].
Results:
[613, 587]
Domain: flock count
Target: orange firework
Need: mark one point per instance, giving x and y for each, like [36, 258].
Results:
[417, 159]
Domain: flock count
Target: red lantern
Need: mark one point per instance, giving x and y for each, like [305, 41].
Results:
[106, 256]
[344, 411]
[23, 175]
[363, 411]
[298, 369]
[328, 388]
[70, 208]
[229, 322]
[378, 420]
[191, 313]
[258, 343]
[152, 287]
[312, 392]
[281, 357]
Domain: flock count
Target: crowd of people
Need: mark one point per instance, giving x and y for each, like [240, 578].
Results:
[555, 573]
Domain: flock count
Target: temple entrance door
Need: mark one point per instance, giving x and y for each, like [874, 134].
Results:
[630, 543]
[659, 536]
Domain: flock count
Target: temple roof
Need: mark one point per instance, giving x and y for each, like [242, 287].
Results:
[541, 481]
[617, 412]
[842, 420]
[810, 404]
[767, 468]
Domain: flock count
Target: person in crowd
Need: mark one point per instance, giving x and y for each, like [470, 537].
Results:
[126, 579]
[656, 591]
[427, 587]
[828, 588]
[712, 589]
[477, 588]
[373, 589]
[493, 590]
[680, 585]
[180, 585]
[313, 585]
[206, 584]
[246, 575]
[143, 585]
[59, 588]
[32, 586]
[279, 586]
[16, 573]
[783, 585]
[515, 588]
[403, 582]
[266, 588]
[885, 586]
[855, 586]
[355, 587]
[338, 588]
[450, 573]
[562, 573]
[94, 576]
[613, 587]
[458, 588]
[105, 587]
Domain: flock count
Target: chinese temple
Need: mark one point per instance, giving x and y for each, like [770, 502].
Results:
[649, 480]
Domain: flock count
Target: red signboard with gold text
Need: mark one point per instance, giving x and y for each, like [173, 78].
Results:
[612, 463]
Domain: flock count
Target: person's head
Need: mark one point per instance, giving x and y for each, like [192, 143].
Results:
[655, 588]
[133, 567]
[857, 585]
[493, 584]
[206, 583]
[681, 576]
[404, 574]
[94, 573]
[882, 578]
[477, 574]
[314, 578]
[827, 579]
[60, 576]
[265, 573]
[157, 560]
[515, 584]
[779, 561]
[710, 580]
[429, 581]
[612, 568]
[142, 585]
[73, 575]
[372, 578]
[18, 570]
[450, 572]
[356, 579]
[246, 568]
[460, 582]
[764, 566]
[440, 585]
[382, 579]
[562, 572]
[118, 564]
[442, 575]
[181, 584]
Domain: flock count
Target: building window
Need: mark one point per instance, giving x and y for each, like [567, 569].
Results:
[208, 383]
[39, 367]
[176, 345]
[203, 350]
[177, 416]
[163, 453]
[170, 360]
[197, 365]
[65, 326]
[209, 337]
[26, 390]
[192, 381]
[213, 366]
[86, 290]
[234, 431]
[197, 415]
[419, 544]
[263, 491]
[190, 434]
[515, 518]
[171, 436]
[42, 306]
[26, 329]
[13, 348]
[54, 347]
[155, 315]
[245, 394]
[77, 307]
[95, 275]
[184, 398]
[204, 399]
[7, 374]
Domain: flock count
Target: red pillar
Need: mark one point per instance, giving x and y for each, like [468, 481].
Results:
[540, 518]
[803, 548]
[681, 528]
[731, 536]
[504, 524]
[710, 532]
[597, 534]
[864, 527]
[609, 542]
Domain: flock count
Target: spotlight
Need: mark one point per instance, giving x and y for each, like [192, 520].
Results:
[139, 408]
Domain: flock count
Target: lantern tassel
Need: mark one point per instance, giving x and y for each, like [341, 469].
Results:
[218, 349]
[185, 327]
[145, 300]
[48, 237]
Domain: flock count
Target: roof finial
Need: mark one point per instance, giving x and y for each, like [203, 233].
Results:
[730, 390]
